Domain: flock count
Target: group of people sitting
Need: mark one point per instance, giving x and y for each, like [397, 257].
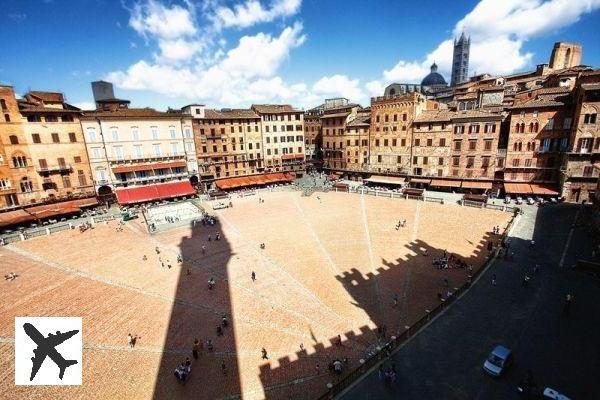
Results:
[400, 224]
[85, 226]
[183, 370]
[11, 276]
[207, 220]
[449, 262]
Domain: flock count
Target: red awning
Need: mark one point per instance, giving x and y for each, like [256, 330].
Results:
[476, 185]
[517, 188]
[15, 217]
[420, 180]
[445, 183]
[543, 190]
[161, 191]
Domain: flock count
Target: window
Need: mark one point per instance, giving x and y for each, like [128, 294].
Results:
[564, 143]
[487, 145]
[403, 142]
[154, 132]
[95, 152]
[441, 161]
[77, 159]
[3, 104]
[174, 149]
[188, 132]
[589, 119]
[417, 142]
[7, 117]
[549, 125]
[13, 139]
[26, 186]
[135, 133]
[156, 149]
[516, 162]
[528, 162]
[485, 162]
[399, 159]
[429, 142]
[442, 142]
[500, 162]
[66, 181]
[118, 151]
[470, 162]
[72, 137]
[588, 170]
[474, 128]
[36, 138]
[546, 144]
[425, 160]
[457, 145]
[490, 128]
[81, 177]
[91, 134]
[43, 163]
[114, 132]
[55, 138]
[458, 129]
[379, 158]
[33, 118]
[51, 118]
[415, 160]
[567, 123]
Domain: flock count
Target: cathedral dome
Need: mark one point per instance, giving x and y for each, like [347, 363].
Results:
[434, 78]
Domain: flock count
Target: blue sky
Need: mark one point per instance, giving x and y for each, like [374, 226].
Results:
[236, 52]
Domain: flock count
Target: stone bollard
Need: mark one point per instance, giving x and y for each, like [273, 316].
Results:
[22, 236]
[47, 231]
[71, 225]
[428, 314]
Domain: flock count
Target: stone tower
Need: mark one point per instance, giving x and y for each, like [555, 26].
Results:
[460, 60]
[565, 55]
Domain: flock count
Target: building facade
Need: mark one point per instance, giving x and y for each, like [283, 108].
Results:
[581, 165]
[136, 147]
[356, 136]
[43, 147]
[283, 137]
[228, 143]
[334, 123]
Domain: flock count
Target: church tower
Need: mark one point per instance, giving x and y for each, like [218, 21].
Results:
[460, 60]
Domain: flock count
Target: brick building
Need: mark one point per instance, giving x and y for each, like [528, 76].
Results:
[390, 145]
[313, 136]
[539, 134]
[228, 143]
[356, 136]
[334, 119]
[583, 157]
[44, 152]
[283, 137]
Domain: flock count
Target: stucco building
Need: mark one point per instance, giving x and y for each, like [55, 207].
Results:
[282, 128]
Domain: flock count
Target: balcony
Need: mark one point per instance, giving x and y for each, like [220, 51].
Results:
[140, 179]
[54, 168]
[149, 156]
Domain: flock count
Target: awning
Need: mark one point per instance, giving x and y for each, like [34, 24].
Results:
[253, 180]
[517, 188]
[15, 217]
[476, 185]
[52, 210]
[420, 180]
[292, 156]
[543, 190]
[445, 183]
[161, 191]
[389, 180]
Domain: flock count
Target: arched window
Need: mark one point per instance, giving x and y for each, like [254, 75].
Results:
[522, 127]
[528, 146]
[26, 186]
[387, 118]
[533, 146]
[536, 127]
[515, 146]
[531, 127]
[19, 161]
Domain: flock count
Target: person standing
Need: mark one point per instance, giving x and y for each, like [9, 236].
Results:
[567, 306]
[494, 280]
[264, 354]
[253, 275]
[195, 348]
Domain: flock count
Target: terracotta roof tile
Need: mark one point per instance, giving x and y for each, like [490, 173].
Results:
[273, 108]
[230, 114]
[130, 113]
[51, 97]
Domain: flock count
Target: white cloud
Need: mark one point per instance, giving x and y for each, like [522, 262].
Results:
[153, 18]
[338, 86]
[178, 49]
[498, 31]
[252, 12]
[85, 105]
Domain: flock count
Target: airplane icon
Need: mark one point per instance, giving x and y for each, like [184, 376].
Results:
[46, 347]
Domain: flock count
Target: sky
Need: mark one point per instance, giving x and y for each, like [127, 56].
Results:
[234, 53]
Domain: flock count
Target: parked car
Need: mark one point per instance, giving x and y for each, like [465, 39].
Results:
[530, 201]
[551, 394]
[498, 361]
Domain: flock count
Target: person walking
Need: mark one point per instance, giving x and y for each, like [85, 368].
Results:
[567, 306]
[494, 280]
[395, 300]
[253, 276]
[264, 354]
[195, 348]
